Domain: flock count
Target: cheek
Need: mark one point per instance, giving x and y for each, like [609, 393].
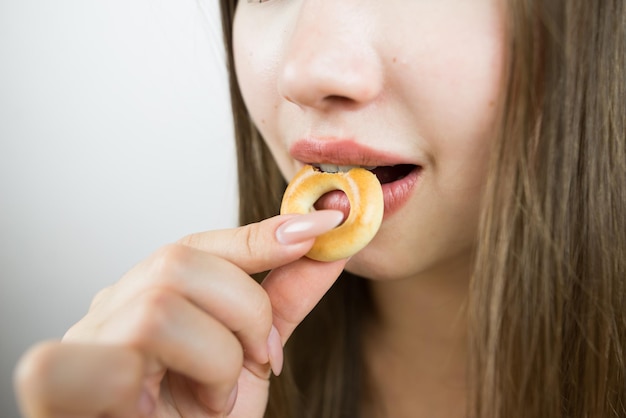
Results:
[258, 54]
[255, 67]
[464, 81]
[461, 86]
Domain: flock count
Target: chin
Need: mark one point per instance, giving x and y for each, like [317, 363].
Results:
[375, 265]
[378, 265]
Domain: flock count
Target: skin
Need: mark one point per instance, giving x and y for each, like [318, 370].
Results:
[420, 79]
[188, 333]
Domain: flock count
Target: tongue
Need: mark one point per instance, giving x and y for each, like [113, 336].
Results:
[339, 201]
[334, 200]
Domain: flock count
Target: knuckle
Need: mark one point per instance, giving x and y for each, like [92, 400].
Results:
[36, 377]
[191, 240]
[248, 236]
[75, 332]
[170, 261]
[152, 316]
[260, 309]
[100, 297]
[34, 365]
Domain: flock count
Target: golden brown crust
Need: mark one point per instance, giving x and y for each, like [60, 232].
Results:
[366, 208]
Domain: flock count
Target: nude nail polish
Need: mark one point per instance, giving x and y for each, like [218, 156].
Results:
[275, 350]
[310, 225]
[232, 399]
[146, 404]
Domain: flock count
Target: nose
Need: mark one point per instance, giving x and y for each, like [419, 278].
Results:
[328, 62]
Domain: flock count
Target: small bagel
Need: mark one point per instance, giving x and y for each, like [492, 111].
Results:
[366, 208]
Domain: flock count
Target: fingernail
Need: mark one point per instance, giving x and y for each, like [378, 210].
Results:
[275, 350]
[310, 225]
[146, 404]
[230, 405]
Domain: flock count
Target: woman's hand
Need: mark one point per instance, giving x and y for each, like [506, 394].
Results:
[188, 332]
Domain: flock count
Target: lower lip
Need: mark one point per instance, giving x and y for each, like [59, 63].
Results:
[395, 195]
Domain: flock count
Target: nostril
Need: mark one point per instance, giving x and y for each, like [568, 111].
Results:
[338, 99]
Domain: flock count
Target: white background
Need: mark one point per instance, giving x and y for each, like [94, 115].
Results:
[115, 139]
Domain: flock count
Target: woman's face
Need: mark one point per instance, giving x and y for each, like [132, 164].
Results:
[410, 86]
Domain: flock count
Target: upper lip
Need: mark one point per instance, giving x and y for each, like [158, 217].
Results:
[342, 152]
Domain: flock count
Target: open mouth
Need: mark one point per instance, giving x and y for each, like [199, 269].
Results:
[397, 182]
[384, 174]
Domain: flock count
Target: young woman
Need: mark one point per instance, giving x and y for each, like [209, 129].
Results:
[496, 284]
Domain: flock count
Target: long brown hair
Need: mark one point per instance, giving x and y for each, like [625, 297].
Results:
[548, 297]
[547, 304]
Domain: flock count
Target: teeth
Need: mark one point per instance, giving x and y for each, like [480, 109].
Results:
[329, 168]
[332, 168]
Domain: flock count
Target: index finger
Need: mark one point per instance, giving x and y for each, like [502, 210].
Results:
[271, 243]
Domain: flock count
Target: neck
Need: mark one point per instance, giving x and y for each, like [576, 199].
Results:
[416, 343]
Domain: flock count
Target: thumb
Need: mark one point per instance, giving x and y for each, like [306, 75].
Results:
[295, 289]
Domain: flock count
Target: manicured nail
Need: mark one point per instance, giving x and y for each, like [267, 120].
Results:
[146, 404]
[230, 404]
[275, 350]
[305, 227]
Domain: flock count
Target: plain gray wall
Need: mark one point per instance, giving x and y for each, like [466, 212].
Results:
[115, 139]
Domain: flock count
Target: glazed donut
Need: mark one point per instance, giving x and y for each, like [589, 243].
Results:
[366, 208]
